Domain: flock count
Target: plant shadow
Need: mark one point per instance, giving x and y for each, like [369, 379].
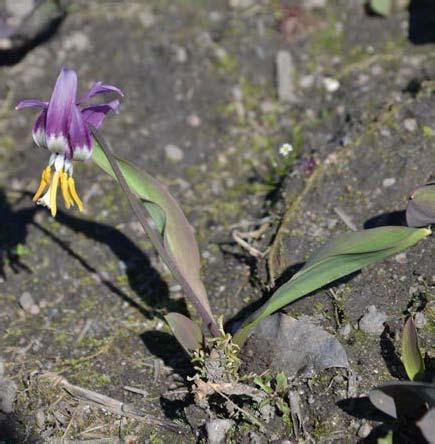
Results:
[168, 349]
[29, 35]
[393, 218]
[142, 278]
[421, 22]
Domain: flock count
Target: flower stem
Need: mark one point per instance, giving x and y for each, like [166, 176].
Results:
[150, 229]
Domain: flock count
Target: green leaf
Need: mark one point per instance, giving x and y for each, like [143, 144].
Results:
[283, 407]
[281, 383]
[264, 384]
[339, 257]
[178, 235]
[187, 333]
[381, 7]
[411, 356]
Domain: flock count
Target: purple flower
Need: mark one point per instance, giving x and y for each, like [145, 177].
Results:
[63, 127]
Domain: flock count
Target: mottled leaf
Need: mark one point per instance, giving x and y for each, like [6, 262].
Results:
[411, 356]
[187, 333]
[403, 399]
[178, 236]
[420, 211]
[340, 257]
[427, 425]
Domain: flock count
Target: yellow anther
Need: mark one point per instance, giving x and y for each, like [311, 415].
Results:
[65, 191]
[73, 193]
[45, 181]
[53, 193]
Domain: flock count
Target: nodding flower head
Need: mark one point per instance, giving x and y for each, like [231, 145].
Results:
[63, 127]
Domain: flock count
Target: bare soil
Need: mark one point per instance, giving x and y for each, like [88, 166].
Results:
[200, 75]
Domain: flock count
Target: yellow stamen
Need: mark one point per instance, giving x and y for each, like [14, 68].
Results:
[53, 193]
[73, 193]
[45, 181]
[65, 191]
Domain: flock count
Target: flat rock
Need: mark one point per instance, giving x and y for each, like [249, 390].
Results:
[294, 346]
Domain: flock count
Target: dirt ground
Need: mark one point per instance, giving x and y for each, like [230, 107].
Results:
[201, 113]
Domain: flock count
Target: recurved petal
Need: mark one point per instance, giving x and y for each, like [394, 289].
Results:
[38, 132]
[95, 115]
[79, 137]
[99, 88]
[59, 113]
[32, 103]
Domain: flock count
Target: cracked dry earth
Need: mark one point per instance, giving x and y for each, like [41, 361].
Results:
[201, 113]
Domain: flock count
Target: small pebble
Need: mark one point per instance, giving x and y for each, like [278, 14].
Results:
[345, 330]
[331, 85]
[419, 319]
[410, 125]
[400, 258]
[193, 120]
[180, 54]
[364, 430]
[284, 76]
[8, 391]
[373, 321]
[389, 182]
[241, 4]
[40, 418]
[306, 81]
[314, 4]
[217, 430]
[174, 153]
[28, 304]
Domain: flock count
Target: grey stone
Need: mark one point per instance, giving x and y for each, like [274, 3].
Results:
[180, 54]
[193, 120]
[364, 430]
[19, 8]
[77, 41]
[8, 391]
[147, 17]
[285, 77]
[345, 330]
[314, 4]
[174, 153]
[294, 346]
[241, 4]
[419, 319]
[217, 430]
[388, 182]
[28, 304]
[410, 125]
[373, 321]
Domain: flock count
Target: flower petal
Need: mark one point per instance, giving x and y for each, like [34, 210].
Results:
[32, 103]
[79, 137]
[95, 115]
[99, 88]
[59, 111]
[38, 132]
